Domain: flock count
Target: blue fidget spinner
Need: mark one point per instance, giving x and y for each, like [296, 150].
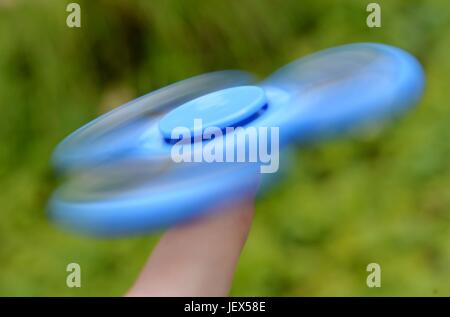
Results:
[123, 177]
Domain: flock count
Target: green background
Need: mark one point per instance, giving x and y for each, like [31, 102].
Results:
[382, 197]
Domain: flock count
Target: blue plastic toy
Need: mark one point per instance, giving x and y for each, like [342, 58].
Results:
[122, 175]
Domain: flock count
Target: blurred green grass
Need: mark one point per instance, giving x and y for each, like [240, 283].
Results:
[383, 197]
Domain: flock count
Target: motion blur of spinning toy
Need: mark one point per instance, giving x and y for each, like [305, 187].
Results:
[172, 155]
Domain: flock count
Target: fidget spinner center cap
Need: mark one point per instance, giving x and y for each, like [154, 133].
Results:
[229, 107]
